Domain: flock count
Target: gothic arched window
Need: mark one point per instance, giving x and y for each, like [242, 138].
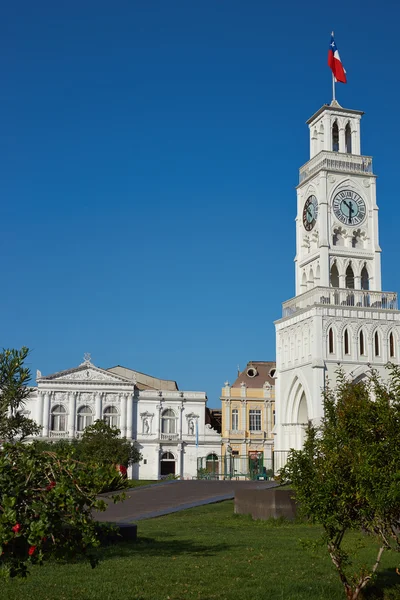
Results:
[349, 278]
[376, 344]
[168, 421]
[334, 276]
[392, 352]
[346, 342]
[331, 345]
[58, 418]
[335, 137]
[364, 278]
[85, 417]
[347, 137]
[362, 343]
[110, 416]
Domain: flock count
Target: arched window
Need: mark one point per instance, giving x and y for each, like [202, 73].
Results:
[311, 279]
[349, 278]
[85, 417]
[235, 419]
[58, 418]
[376, 344]
[364, 278]
[335, 137]
[346, 342]
[334, 276]
[167, 464]
[392, 352]
[110, 416]
[347, 137]
[212, 464]
[362, 343]
[168, 421]
[331, 345]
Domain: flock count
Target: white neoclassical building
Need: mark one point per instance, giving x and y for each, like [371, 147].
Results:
[172, 428]
[340, 315]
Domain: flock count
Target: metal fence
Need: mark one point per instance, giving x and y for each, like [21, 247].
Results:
[234, 466]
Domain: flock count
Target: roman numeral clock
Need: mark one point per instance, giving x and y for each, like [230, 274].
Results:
[349, 208]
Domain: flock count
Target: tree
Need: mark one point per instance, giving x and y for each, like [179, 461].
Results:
[47, 498]
[101, 444]
[46, 507]
[14, 390]
[348, 473]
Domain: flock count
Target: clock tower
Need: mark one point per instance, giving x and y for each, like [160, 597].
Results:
[339, 315]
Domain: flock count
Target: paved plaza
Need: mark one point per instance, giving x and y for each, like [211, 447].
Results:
[172, 496]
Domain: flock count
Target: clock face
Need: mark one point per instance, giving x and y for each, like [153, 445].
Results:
[310, 212]
[349, 207]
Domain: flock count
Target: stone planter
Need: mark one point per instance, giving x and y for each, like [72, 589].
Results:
[266, 504]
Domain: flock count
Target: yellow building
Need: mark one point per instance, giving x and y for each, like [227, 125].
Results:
[248, 418]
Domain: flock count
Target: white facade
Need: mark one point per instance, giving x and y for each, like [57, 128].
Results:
[167, 424]
[340, 315]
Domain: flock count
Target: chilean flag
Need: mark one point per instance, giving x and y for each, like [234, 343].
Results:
[335, 63]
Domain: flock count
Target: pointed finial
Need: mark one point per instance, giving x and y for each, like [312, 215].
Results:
[87, 358]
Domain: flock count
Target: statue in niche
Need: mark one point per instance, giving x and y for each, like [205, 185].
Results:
[146, 426]
[191, 427]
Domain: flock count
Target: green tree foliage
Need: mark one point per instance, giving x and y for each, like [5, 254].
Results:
[101, 443]
[46, 505]
[14, 380]
[347, 477]
[47, 498]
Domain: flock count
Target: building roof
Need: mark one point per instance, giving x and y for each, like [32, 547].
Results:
[143, 381]
[256, 373]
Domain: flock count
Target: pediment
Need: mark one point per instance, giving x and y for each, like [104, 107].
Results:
[86, 372]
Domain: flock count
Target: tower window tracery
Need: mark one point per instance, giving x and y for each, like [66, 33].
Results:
[362, 343]
[331, 341]
[376, 344]
[334, 276]
[335, 137]
[364, 278]
[346, 342]
[347, 138]
[350, 278]
[392, 353]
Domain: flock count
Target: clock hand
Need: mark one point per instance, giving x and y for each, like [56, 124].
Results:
[309, 213]
[350, 211]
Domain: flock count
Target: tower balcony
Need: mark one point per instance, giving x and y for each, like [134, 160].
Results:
[323, 296]
[336, 161]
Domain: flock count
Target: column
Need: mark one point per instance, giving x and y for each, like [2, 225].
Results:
[179, 464]
[323, 234]
[244, 419]
[46, 414]
[72, 414]
[342, 140]
[158, 413]
[181, 409]
[124, 413]
[228, 414]
[39, 414]
[129, 415]
[265, 418]
[98, 406]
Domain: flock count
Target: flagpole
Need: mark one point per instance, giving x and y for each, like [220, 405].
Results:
[333, 80]
[333, 88]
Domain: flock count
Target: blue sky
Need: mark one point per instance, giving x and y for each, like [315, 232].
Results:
[150, 152]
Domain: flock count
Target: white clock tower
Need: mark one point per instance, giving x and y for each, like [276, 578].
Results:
[340, 315]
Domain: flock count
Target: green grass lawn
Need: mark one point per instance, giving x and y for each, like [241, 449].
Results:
[205, 553]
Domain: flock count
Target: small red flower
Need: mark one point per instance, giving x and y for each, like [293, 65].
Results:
[16, 528]
[31, 550]
[51, 485]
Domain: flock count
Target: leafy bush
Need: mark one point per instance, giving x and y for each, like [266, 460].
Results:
[46, 507]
